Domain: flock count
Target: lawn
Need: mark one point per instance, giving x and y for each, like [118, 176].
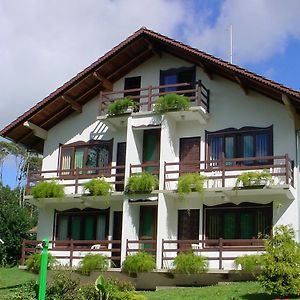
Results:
[232, 291]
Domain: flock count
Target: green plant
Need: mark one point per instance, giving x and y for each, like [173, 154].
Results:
[34, 260]
[249, 263]
[171, 102]
[190, 182]
[47, 189]
[140, 262]
[27, 291]
[120, 106]
[141, 183]
[281, 263]
[98, 187]
[92, 262]
[189, 263]
[253, 178]
[105, 288]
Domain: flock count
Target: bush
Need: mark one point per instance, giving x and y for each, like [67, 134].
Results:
[253, 178]
[27, 291]
[189, 263]
[171, 102]
[33, 262]
[190, 182]
[98, 187]
[46, 189]
[141, 183]
[281, 263]
[140, 262]
[120, 106]
[249, 263]
[92, 262]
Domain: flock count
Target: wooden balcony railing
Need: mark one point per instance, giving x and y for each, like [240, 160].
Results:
[135, 246]
[70, 250]
[214, 250]
[147, 96]
[224, 170]
[152, 168]
[75, 178]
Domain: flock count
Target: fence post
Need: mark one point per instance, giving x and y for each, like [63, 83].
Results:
[71, 252]
[223, 169]
[220, 253]
[126, 248]
[198, 93]
[149, 97]
[287, 175]
[76, 180]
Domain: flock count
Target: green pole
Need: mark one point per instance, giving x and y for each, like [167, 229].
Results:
[43, 270]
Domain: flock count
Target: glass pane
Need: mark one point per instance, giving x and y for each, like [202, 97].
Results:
[78, 162]
[75, 227]
[262, 223]
[229, 149]
[66, 160]
[216, 147]
[248, 149]
[246, 226]
[89, 228]
[262, 146]
[62, 230]
[229, 226]
[92, 160]
[214, 226]
[103, 157]
[100, 230]
[170, 79]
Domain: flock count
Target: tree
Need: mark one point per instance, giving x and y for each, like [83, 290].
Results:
[15, 221]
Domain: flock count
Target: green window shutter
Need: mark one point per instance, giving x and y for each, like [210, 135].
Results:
[100, 230]
[75, 228]
[89, 222]
[62, 230]
[229, 225]
[246, 225]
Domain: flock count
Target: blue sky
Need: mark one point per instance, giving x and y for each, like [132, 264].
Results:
[45, 43]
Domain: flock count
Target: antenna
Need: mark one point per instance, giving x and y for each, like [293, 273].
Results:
[231, 43]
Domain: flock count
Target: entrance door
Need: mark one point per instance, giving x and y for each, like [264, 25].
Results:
[121, 156]
[188, 226]
[189, 150]
[151, 149]
[117, 235]
[148, 224]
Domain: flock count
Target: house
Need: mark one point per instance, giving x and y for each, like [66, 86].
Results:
[238, 122]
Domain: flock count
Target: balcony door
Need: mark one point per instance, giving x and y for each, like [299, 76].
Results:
[148, 224]
[131, 83]
[151, 149]
[188, 225]
[189, 151]
[121, 157]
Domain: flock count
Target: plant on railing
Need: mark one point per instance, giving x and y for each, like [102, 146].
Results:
[190, 263]
[98, 187]
[249, 263]
[92, 262]
[121, 106]
[47, 189]
[252, 179]
[33, 262]
[190, 182]
[171, 102]
[142, 183]
[137, 263]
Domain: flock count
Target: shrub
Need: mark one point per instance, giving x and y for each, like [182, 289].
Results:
[34, 260]
[249, 263]
[92, 262]
[120, 106]
[141, 183]
[171, 102]
[189, 263]
[140, 262]
[87, 291]
[46, 189]
[253, 178]
[98, 187]
[27, 291]
[281, 263]
[190, 182]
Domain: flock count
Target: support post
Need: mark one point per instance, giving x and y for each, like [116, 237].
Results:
[43, 270]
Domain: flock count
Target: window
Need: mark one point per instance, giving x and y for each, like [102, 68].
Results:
[88, 224]
[244, 221]
[244, 142]
[93, 157]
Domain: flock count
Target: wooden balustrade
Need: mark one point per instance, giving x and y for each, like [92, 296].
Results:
[195, 91]
[141, 245]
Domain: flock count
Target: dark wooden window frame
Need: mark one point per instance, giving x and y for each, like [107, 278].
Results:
[142, 209]
[243, 207]
[81, 213]
[83, 145]
[237, 134]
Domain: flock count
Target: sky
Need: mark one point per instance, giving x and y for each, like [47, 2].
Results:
[44, 43]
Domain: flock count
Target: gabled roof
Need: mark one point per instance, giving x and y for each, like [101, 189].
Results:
[133, 51]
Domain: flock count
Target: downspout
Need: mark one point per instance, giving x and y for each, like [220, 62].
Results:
[296, 179]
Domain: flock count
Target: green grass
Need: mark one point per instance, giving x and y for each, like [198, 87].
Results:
[232, 291]
[10, 277]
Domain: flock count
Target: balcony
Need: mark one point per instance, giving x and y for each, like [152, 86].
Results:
[146, 97]
[222, 175]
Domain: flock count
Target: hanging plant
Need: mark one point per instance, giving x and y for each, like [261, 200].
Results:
[171, 102]
[121, 106]
[253, 179]
[98, 187]
[190, 182]
[142, 183]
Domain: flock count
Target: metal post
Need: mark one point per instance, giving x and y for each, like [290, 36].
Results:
[43, 270]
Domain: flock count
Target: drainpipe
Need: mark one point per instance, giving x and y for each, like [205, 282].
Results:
[296, 177]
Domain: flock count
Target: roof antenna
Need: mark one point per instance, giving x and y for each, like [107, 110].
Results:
[231, 43]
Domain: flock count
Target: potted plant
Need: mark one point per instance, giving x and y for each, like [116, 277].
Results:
[142, 183]
[98, 187]
[45, 189]
[190, 182]
[171, 102]
[121, 106]
[253, 179]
